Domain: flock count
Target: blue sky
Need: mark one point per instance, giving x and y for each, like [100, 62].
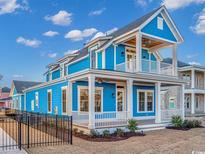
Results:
[34, 33]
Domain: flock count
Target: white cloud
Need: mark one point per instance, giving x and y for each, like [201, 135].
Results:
[100, 34]
[199, 27]
[78, 35]
[176, 4]
[71, 52]
[62, 18]
[50, 33]
[31, 43]
[190, 56]
[52, 55]
[194, 63]
[18, 76]
[10, 6]
[97, 12]
[142, 3]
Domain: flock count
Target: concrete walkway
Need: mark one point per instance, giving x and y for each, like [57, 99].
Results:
[6, 139]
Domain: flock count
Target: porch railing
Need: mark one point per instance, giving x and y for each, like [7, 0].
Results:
[166, 115]
[147, 66]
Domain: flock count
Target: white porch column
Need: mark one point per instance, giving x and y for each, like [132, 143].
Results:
[204, 103]
[130, 98]
[192, 103]
[158, 118]
[174, 60]
[91, 91]
[115, 57]
[138, 52]
[183, 105]
[192, 78]
[69, 102]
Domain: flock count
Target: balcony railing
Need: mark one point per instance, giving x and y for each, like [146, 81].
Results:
[147, 66]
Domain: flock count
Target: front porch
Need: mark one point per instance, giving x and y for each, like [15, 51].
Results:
[110, 101]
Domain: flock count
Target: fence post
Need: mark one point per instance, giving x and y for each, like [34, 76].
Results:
[71, 131]
[28, 133]
[56, 126]
[19, 132]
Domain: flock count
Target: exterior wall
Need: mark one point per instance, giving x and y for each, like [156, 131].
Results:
[200, 108]
[18, 102]
[109, 58]
[56, 74]
[47, 77]
[109, 98]
[99, 62]
[135, 99]
[79, 66]
[199, 80]
[120, 54]
[151, 28]
[42, 93]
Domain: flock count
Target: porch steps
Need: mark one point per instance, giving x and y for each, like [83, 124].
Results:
[153, 127]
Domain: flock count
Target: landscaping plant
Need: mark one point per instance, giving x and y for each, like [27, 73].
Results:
[94, 133]
[177, 121]
[119, 132]
[106, 133]
[132, 125]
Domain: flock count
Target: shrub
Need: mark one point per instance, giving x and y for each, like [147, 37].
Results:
[196, 123]
[177, 121]
[81, 132]
[132, 125]
[191, 123]
[119, 132]
[94, 133]
[106, 133]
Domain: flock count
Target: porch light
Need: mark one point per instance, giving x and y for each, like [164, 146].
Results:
[122, 53]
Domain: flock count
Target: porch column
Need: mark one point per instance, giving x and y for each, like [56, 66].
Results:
[174, 60]
[115, 57]
[192, 103]
[183, 96]
[192, 78]
[158, 118]
[70, 104]
[130, 98]
[91, 95]
[138, 52]
[204, 103]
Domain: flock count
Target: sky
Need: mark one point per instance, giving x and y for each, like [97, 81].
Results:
[34, 33]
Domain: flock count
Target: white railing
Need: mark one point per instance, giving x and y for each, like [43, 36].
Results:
[167, 115]
[110, 119]
[148, 66]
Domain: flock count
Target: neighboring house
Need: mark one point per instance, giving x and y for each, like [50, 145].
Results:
[116, 77]
[17, 94]
[195, 90]
[4, 97]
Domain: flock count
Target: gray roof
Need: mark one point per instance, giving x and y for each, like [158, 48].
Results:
[83, 52]
[5, 90]
[22, 85]
[179, 63]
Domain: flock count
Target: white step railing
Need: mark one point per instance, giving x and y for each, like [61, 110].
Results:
[148, 66]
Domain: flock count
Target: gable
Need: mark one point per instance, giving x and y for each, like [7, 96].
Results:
[152, 29]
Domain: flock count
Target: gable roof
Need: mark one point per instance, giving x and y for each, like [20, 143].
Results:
[5, 90]
[82, 53]
[179, 63]
[22, 85]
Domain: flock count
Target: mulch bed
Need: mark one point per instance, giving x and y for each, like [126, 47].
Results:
[182, 128]
[110, 138]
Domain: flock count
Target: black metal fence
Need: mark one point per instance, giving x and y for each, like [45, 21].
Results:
[25, 129]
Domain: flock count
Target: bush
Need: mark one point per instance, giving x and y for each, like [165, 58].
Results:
[177, 121]
[94, 133]
[106, 133]
[132, 125]
[191, 123]
[119, 132]
[196, 123]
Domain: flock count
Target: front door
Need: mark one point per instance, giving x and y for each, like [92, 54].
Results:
[120, 99]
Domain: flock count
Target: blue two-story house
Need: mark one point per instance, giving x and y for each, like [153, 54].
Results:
[116, 77]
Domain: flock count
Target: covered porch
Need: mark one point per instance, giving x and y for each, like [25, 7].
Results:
[109, 101]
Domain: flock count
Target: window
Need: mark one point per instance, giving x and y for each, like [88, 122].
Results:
[49, 94]
[197, 101]
[32, 105]
[36, 99]
[120, 99]
[187, 101]
[160, 23]
[64, 99]
[84, 99]
[145, 101]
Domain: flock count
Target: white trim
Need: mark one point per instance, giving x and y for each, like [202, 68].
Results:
[115, 57]
[145, 91]
[86, 87]
[160, 23]
[103, 59]
[64, 88]
[49, 90]
[144, 117]
[96, 60]
[124, 99]
[37, 94]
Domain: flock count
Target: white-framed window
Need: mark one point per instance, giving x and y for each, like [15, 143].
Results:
[32, 105]
[188, 101]
[83, 99]
[64, 99]
[145, 101]
[36, 99]
[160, 23]
[49, 98]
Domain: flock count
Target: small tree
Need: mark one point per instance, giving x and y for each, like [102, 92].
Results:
[132, 125]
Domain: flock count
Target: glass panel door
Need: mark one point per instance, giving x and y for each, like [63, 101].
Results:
[120, 100]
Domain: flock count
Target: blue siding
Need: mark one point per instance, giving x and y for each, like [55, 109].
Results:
[151, 28]
[47, 77]
[42, 92]
[135, 99]
[99, 55]
[56, 74]
[109, 58]
[145, 54]
[79, 66]
[109, 91]
[120, 54]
